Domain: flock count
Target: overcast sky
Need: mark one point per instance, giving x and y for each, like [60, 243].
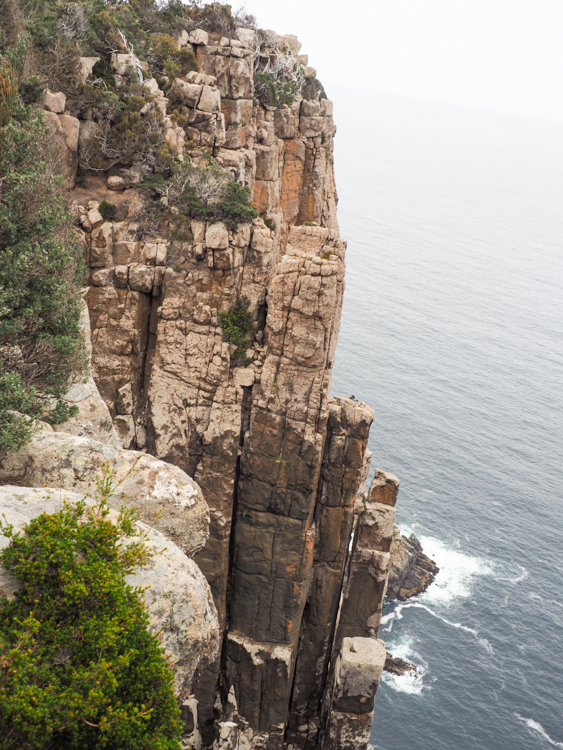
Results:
[505, 55]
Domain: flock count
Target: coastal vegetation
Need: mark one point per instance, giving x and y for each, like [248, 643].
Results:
[41, 271]
[78, 666]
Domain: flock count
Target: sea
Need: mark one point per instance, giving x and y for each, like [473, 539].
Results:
[452, 330]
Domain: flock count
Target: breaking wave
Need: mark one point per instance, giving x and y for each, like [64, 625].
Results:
[535, 726]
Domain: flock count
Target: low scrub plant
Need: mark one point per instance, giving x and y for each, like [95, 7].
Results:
[205, 193]
[79, 667]
[237, 327]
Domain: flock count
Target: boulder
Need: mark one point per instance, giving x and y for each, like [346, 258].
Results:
[176, 594]
[115, 182]
[410, 570]
[198, 36]
[53, 102]
[151, 486]
[86, 66]
[396, 665]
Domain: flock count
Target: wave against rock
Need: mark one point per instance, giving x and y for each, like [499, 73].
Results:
[410, 570]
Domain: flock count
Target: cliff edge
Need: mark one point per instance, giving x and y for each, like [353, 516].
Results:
[213, 331]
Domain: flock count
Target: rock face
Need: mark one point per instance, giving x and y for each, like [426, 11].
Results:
[410, 570]
[297, 555]
[141, 481]
[179, 602]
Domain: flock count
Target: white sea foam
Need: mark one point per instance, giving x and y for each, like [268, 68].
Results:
[397, 614]
[535, 726]
[458, 572]
[524, 573]
[410, 682]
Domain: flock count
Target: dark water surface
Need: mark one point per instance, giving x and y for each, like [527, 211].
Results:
[452, 331]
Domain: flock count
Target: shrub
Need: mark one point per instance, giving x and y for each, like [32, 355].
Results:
[170, 59]
[235, 207]
[79, 666]
[31, 88]
[8, 91]
[274, 92]
[313, 89]
[204, 193]
[40, 279]
[107, 210]
[237, 326]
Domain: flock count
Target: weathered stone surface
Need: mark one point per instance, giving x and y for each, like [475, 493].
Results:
[147, 484]
[360, 613]
[356, 678]
[410, 570]
[53, 102]
[64, 130]
[176, 594]
[86, 66]
[93, 419]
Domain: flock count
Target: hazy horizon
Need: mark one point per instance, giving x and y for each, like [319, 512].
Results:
[504, 56]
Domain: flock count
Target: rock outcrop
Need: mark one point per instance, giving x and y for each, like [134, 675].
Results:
[410, 570]
[298, 554]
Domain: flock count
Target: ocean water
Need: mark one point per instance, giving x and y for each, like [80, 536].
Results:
[452, 330]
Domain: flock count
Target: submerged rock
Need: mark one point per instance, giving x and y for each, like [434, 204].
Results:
[398, 666]
[410, 570]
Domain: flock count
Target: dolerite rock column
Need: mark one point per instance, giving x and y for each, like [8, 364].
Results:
[358, 657]
[356, 679]
[341, 476]
[280, 469]
[367, 579]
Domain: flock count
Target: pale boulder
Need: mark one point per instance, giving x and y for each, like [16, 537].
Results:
[147, 484]
[217, 236]
[53, 102]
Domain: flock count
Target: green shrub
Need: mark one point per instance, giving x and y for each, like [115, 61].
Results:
[313, 89]
[31, 88]
[107, 210]
[41, 273]
[79, 668]
[237, 326]
[235, 207]
[203, 193]
[273, 91]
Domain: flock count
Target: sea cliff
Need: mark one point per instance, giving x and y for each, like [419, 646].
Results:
[259, 474]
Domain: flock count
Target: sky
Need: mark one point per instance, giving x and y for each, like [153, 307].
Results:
[500, 55]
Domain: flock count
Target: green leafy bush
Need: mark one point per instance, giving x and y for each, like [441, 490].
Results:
[41, 346]
[313, 89]
[274, 92]
[31, 88]
[237, 326]
[107, 210]
[78, 666]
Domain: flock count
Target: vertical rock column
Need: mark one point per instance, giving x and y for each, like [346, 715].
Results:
[341, 477]
[279, 476]
[360, 614]
[358, 657]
